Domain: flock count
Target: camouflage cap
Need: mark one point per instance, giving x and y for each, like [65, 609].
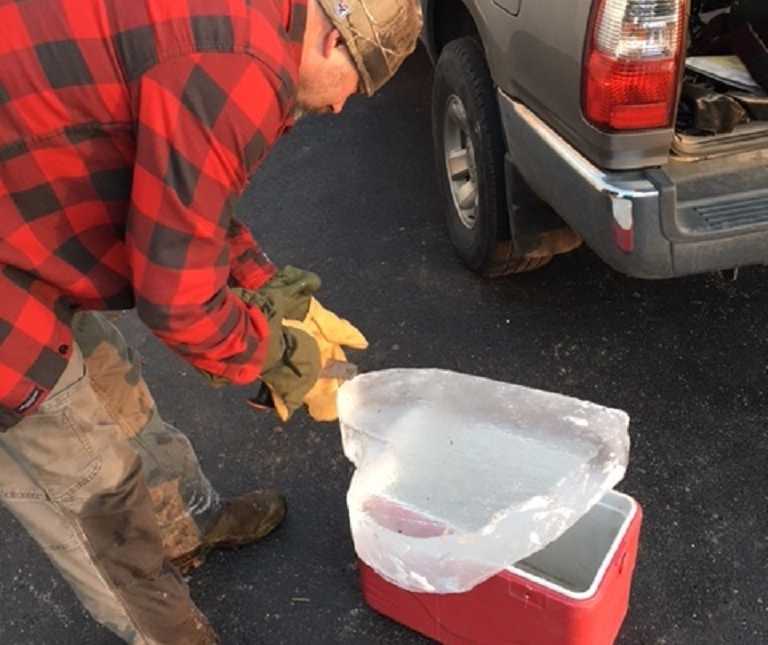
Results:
[380, 35]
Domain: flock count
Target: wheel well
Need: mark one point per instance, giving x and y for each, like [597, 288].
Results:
[451, 20]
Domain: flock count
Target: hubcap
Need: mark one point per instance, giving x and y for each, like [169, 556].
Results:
[460, 162]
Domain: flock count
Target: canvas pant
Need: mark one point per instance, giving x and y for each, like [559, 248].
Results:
[110, 492]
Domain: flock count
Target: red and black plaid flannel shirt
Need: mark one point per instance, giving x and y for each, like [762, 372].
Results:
[128, 128]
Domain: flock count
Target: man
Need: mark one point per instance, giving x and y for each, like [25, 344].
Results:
[127, 131]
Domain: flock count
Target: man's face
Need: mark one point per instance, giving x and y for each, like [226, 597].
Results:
[326, 80]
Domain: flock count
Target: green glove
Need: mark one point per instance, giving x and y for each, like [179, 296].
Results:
[291, 369]
[292, 363]
[286, 296]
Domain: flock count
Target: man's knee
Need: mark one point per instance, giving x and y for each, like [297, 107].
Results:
[115, 371]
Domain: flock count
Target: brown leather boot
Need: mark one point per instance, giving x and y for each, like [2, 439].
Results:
[243, 520]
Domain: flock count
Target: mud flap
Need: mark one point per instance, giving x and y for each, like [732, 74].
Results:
[535, 227]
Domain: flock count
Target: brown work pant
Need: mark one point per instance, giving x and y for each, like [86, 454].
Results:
[110, 492]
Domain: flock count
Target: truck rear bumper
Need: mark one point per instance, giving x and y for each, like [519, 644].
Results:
[629, 218]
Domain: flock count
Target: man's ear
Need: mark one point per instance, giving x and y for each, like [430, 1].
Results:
[331, 41]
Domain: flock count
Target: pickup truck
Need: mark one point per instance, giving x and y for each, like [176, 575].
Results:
[557, 121]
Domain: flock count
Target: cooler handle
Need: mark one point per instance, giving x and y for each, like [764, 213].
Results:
[528, 596]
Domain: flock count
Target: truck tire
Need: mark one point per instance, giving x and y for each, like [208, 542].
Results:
[469, 150]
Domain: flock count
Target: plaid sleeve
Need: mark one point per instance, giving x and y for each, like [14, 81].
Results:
[204, 122]
[249, 266]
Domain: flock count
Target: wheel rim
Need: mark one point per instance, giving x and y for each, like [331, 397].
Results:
[460, 163]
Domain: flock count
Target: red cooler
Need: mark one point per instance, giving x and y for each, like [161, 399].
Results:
[574, 592]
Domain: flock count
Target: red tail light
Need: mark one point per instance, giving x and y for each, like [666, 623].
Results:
[633, 62]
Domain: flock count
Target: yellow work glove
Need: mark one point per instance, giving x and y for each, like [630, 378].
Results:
[331, 333]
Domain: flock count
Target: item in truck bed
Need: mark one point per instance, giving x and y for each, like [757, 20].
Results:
[756, 106]
[729, 70]
[709, 111]
[750, 36]
[710, 36]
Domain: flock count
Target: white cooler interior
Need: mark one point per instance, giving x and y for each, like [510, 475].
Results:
[575, 564]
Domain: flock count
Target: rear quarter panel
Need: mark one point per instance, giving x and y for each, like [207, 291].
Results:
[536, 57]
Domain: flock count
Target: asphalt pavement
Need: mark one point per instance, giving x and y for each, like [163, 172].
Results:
[354, 199]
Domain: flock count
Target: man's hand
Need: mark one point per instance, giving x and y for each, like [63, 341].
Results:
[292, 369]
[304, 338]
[284, 297]
[331, 334]
[292, 364]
